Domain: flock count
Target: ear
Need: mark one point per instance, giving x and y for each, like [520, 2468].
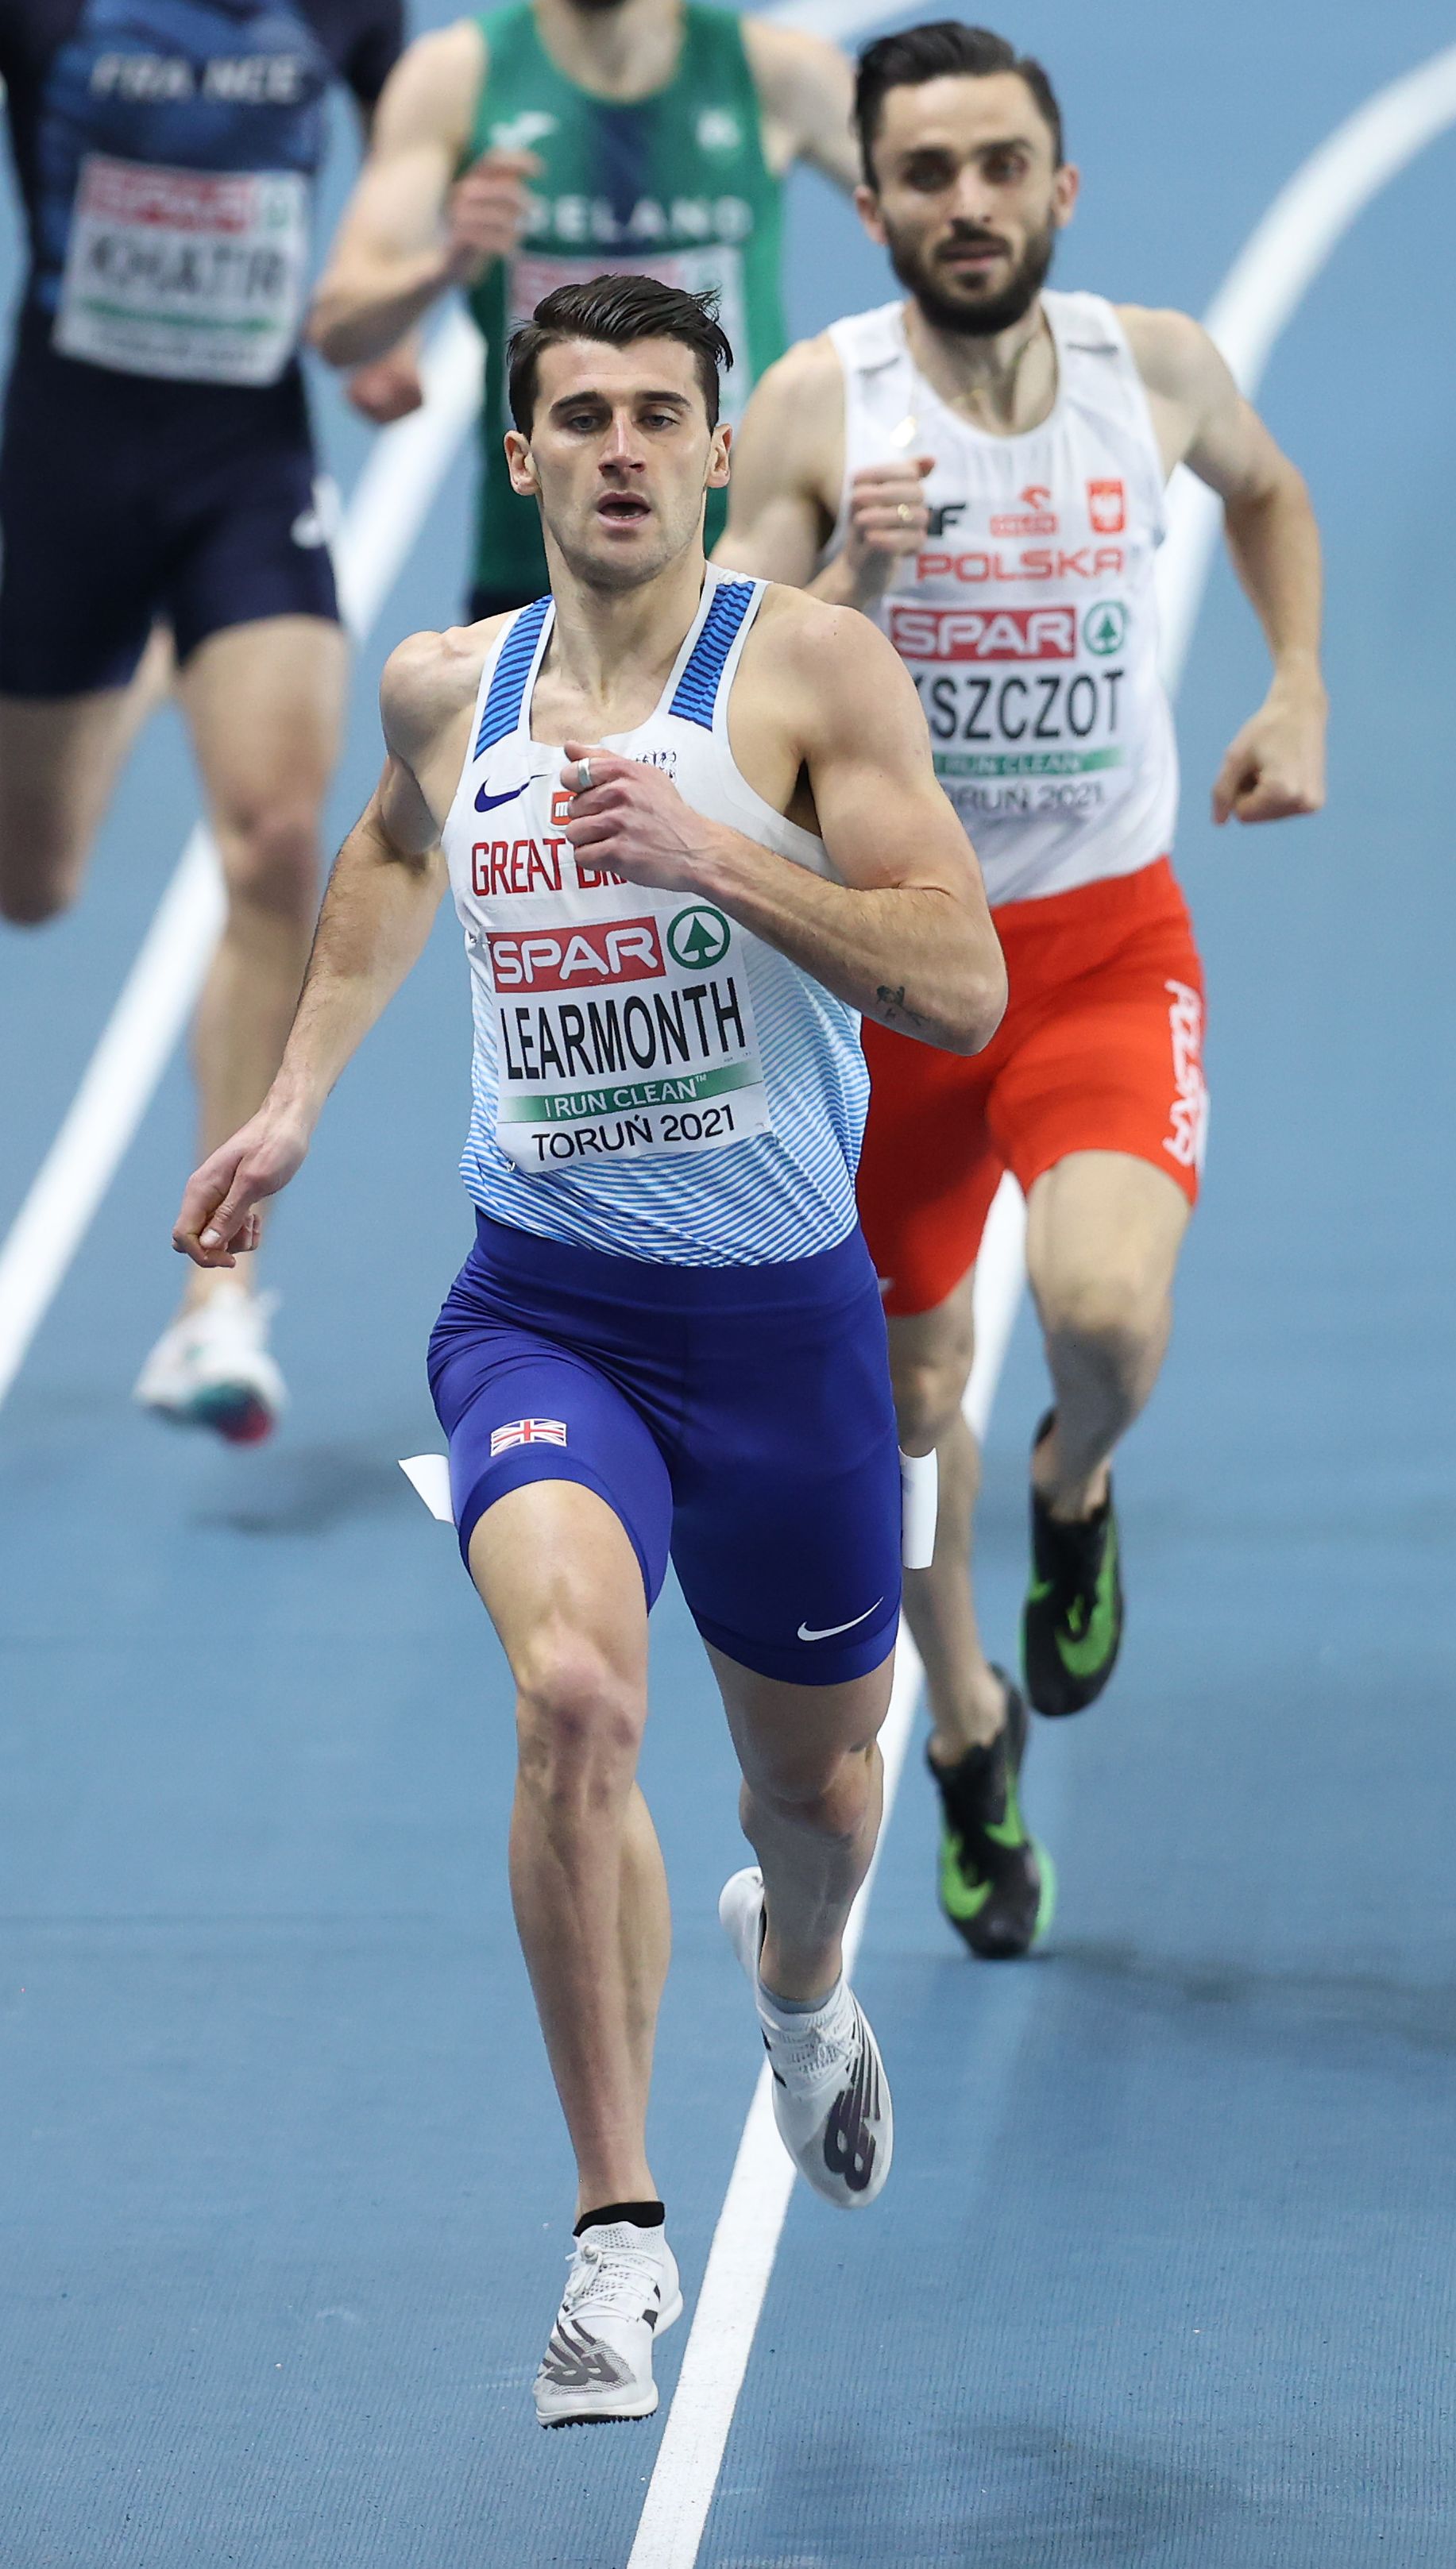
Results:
[1066, 186]
[867, 207]
[521, 465]
[717, 473]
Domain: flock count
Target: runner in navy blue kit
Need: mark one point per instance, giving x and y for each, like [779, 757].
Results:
[669, 1334]
[159, 505]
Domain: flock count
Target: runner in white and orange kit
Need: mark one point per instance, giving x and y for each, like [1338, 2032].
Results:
[981, 468]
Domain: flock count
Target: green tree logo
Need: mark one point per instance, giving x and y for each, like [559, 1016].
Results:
[1104, 626]
[699, 937]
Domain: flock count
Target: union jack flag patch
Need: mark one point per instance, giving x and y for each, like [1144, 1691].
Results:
[528, 1431]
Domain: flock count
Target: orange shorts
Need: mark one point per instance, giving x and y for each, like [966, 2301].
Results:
[1100, 1049]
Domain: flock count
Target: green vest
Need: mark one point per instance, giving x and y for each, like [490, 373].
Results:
[674, 187]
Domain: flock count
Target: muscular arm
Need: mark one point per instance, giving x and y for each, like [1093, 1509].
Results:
[905, 936]
[382, 896]
[413, 227]
[1276, 766]
[806, 92]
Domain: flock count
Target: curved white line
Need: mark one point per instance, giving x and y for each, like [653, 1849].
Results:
[1262, 290]
[1267, 280]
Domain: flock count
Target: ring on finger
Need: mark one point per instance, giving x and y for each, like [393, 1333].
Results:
[584, 775]
[904, 513]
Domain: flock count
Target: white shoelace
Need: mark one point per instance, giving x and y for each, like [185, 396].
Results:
[609, 2278]
[813, 2049]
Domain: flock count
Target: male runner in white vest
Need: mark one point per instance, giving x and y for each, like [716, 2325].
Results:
[980, 469]
[668, 1333]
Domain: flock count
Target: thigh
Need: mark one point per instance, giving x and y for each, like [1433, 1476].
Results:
[786, 1482]
[520, 1412]
[552, 1565]
[930, 1167]
[786, 1736]
[1103, 1233]
[265, 706]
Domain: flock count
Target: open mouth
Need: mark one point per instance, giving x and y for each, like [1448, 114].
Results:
[623, 508]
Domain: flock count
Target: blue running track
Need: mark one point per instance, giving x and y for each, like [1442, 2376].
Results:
[1165, 2277]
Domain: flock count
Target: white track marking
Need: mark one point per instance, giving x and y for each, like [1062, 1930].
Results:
[1267, 282]
[1257, 297]
[386, 511]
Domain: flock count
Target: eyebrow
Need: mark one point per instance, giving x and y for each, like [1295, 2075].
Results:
[997, 143]
[593, 393]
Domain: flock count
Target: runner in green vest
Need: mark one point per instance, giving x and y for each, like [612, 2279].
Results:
[661, 151]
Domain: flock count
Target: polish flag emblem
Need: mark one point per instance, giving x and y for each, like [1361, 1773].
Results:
[528, 1431]
[1107, 508]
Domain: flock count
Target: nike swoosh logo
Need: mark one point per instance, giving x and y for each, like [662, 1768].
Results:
[492, 802]
[1083, 1654]
[830, 1629]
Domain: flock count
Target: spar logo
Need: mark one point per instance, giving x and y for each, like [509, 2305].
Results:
[1107, 508]
[699, 937]
[576, 958]
[1104, 626]
[985, 632]
[1034, 517]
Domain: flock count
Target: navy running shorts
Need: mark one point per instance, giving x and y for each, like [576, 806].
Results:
[738, 1418]
[126, 502]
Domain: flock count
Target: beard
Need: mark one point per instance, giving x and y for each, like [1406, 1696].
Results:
[962, 310]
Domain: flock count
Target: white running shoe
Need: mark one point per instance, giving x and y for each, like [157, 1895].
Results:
[622, 2290]
[213, 1368]
[831, 2098]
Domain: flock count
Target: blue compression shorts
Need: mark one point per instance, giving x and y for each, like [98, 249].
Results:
[738, 1418]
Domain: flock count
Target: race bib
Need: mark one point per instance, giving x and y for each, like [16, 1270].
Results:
[622, 1037]
[184, 273]
[1024, 703]
[717, 267]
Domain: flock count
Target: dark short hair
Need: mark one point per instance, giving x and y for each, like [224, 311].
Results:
[618, 310]
[942, 50]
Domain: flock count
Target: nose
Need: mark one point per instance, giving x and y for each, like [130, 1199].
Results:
[619, 453]
[973, 200]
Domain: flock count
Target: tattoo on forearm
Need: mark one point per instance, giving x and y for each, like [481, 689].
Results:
[893, 1009]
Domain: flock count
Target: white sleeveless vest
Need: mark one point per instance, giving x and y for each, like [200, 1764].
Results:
[649, 1079]
[1029, 620]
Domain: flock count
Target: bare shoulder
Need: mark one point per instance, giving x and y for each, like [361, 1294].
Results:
[778, 54]
[834, 667]
[1172, 352]
[800, 399]
[811, 369]
[805, 95]
[428, 680]
[435, 88]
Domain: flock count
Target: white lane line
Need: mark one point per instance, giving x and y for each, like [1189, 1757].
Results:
[386, 511]
[746, 2240]
[1259, 295]
[1269, 278]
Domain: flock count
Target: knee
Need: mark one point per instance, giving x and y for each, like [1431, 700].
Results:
[271, 859]
[829, 1798]
[1113, 1312]
[39, 877]
[33, 904]
[580, 1722]
[929, 1390]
